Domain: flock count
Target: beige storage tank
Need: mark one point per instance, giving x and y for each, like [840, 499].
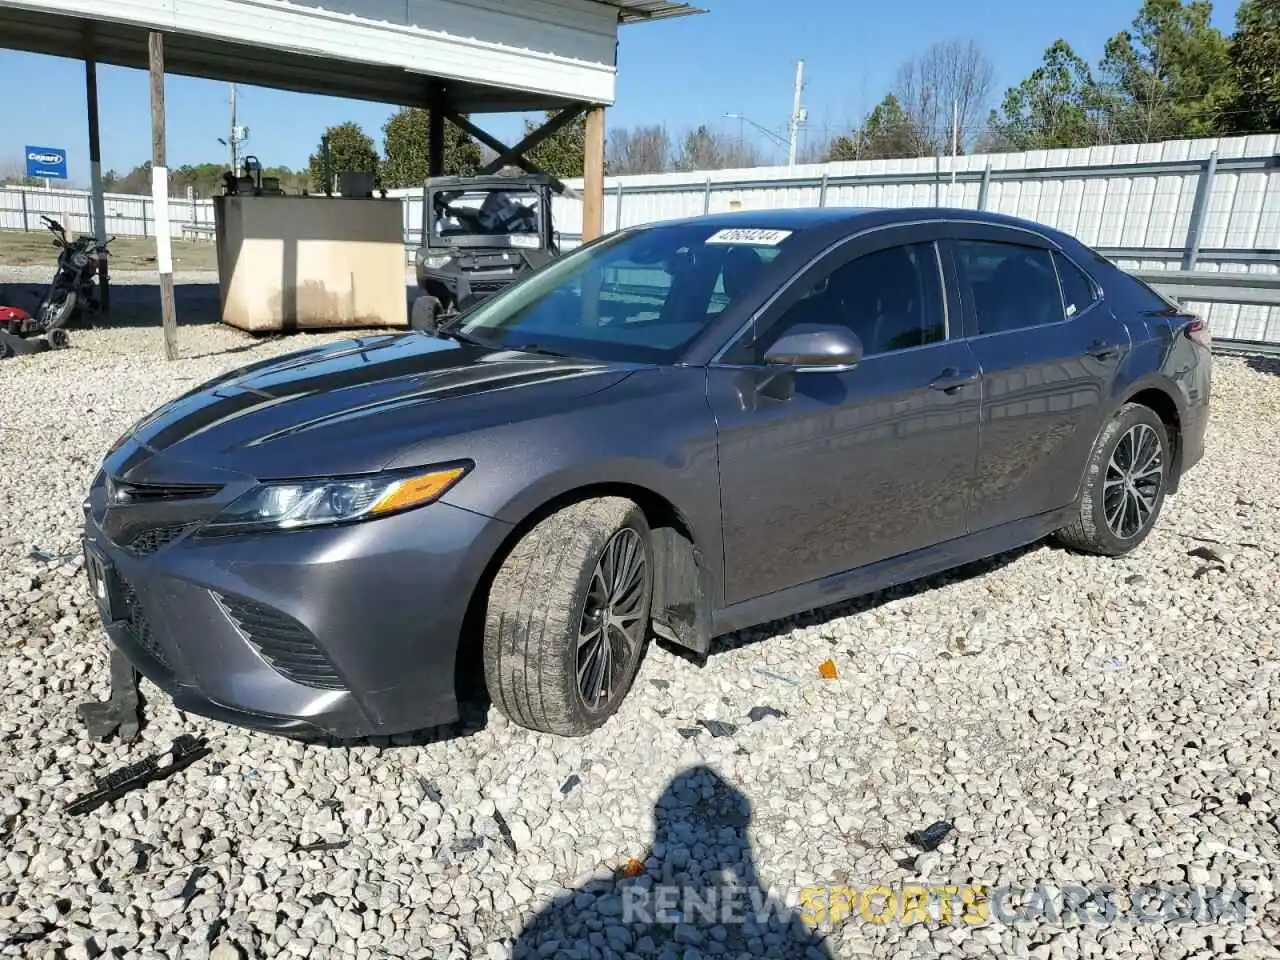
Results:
[298, 263]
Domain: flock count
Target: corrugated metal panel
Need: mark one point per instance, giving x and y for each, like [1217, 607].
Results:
[554, 48]
[1147, 212]
[639, 11]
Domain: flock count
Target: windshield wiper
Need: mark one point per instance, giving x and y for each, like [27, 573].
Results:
[465, 338]
[534, 348]
[449, 331]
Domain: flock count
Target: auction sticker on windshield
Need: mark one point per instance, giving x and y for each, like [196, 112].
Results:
[749, 235]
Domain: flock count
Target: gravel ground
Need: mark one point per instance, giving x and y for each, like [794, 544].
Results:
[1080, 722]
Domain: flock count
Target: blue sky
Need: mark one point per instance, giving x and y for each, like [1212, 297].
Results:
[739, 58]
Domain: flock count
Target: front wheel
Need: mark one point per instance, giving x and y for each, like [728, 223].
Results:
[55, 312]
[1124, 484]
[425, 314]
[568, 617]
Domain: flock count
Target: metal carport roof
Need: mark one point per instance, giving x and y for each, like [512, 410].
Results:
[490, 57]
[641, 11]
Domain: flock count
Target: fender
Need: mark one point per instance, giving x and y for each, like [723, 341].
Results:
[1126, 390]
[689, 553]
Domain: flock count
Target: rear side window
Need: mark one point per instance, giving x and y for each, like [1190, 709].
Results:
[1078, 293]
[1013, 287]
[1129, 294]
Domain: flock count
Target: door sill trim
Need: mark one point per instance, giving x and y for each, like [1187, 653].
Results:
[893, 571]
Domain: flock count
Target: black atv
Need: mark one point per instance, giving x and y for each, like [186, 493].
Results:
[480, 234]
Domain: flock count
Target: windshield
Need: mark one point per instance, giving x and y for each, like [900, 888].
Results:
[486, 213]
[641, 296]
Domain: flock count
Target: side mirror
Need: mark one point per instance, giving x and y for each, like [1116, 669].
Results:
[816, 348]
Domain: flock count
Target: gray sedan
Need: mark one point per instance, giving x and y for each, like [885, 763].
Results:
[679, 430]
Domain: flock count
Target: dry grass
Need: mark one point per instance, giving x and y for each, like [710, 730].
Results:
[19, 248]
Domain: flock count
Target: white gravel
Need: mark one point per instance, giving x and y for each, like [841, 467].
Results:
[1081, 721]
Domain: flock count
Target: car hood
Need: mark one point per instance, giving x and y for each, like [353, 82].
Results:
[346, 407]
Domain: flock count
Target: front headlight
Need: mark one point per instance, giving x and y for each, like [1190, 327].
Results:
[289, 505]
[436, 260]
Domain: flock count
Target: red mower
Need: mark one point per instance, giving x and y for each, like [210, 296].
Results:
[72, 296]
[22, 334]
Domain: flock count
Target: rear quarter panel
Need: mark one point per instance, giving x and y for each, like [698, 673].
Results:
[1163, 357]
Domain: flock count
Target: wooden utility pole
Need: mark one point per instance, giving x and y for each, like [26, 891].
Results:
[593, 176]
[160, 197]
[97, 203]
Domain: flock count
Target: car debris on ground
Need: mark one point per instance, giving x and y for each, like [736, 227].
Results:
[184, 751]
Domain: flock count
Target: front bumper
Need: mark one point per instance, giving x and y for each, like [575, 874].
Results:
[347, 631]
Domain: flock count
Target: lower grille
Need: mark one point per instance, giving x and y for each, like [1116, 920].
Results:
[283, 642]
[148, 541]
[138, 627]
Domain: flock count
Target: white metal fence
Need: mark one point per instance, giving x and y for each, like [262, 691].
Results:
[1212, 206]
[128, 215]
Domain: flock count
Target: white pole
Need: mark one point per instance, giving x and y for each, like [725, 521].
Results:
[795, 115]
[97, 202]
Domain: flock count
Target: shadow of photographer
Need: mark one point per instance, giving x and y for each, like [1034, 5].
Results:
[698, 896]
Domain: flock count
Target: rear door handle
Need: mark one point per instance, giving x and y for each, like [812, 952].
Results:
[1102, 350]
[952, 379]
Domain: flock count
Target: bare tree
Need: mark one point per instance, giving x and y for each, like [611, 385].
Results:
[638, 150]
[13, 171]
[815, 149]
[705, 149]
[954, 74]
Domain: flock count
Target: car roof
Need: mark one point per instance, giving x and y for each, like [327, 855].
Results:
[811, 218]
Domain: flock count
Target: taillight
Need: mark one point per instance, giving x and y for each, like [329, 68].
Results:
[1198, 331]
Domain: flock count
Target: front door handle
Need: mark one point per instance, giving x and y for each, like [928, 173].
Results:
[1102, 350]
[952, 379]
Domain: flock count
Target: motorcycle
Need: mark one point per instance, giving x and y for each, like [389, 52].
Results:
[71, 295]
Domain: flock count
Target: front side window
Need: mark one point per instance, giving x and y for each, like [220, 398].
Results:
[1013, 286]
[639, 296]
[892, 299]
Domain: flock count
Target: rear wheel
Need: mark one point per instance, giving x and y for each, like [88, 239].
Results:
[568, 617]
[1124, 484]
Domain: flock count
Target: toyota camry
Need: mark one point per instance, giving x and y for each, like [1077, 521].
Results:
[675, 431]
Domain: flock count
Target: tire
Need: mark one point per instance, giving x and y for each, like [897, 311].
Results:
[55, 315]
[546, 590]
[425, 315]
[1095, 528]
